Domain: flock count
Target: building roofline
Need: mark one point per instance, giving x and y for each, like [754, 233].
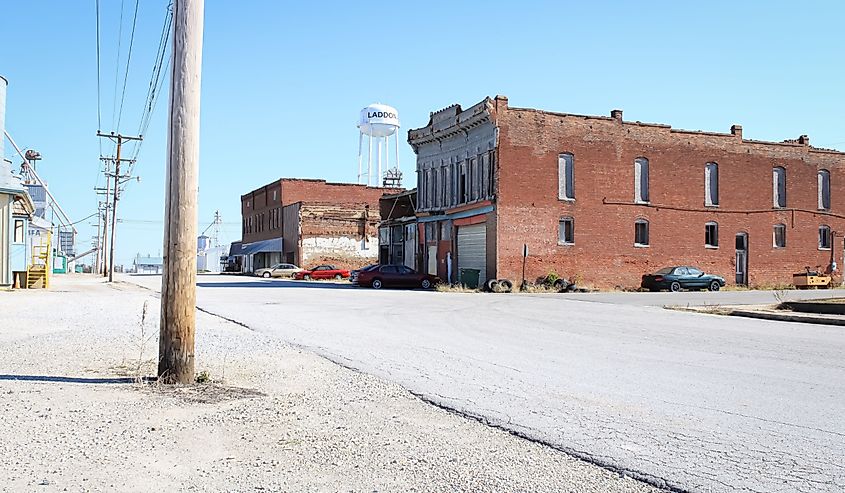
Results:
[800, 142]
[315, 180]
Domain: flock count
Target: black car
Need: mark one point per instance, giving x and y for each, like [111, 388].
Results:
[682, 277]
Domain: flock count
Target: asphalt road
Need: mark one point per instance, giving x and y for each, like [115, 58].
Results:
[693, 402]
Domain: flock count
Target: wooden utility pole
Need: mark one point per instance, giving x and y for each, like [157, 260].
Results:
[97, 255]
[178, 282]
[120, 139]
[106, 221]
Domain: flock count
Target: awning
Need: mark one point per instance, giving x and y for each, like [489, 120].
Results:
[271, 245]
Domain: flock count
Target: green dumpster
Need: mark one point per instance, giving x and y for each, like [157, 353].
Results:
[469, 277]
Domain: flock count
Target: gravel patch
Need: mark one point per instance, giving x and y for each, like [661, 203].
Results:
[79, 416]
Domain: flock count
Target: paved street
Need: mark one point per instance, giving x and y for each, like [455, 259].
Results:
[694, 402]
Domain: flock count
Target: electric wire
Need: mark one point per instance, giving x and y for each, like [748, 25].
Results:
[157, 79]
[117, 64]
[128, 61]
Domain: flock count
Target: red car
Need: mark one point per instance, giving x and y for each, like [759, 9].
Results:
[322, 272]
[395, 276]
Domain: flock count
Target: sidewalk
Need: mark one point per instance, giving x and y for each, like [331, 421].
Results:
[767, 312]
[277, 418]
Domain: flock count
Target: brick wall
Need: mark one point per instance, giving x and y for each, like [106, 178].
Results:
[603, 253]
[341, 235]
[264, 206]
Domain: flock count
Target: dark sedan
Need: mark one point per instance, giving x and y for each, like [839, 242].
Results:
[682, 277]
[395, 276]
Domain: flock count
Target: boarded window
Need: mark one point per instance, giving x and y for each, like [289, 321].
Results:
[711, 234]
[779, 186]
[711, 184]
[641, 180]
[566, 231]
[824, 237]
[779, 234]
[641, 232]
[824, 189]
[565, 177]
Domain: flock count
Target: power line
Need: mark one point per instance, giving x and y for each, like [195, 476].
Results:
[99, 111]
[117, 64]
[128, 60]
[157, 79]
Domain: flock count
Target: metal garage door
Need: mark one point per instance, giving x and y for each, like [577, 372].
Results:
[472, 249]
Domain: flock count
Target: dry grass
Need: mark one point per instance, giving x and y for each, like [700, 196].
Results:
[457, 288]
[536, 288]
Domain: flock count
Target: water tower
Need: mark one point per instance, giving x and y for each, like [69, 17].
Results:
[378, 122]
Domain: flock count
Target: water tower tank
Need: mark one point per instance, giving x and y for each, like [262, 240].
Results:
[378, 120]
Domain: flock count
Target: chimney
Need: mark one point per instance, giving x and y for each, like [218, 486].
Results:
[804, 139]
[736, 130]
[500, 102]
[616, 115]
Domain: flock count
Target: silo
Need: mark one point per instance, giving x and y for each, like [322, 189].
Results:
[3, 84]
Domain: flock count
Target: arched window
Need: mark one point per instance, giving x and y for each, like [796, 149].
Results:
[824, 189]
[711, 234]
[779, 236]
[641, 180]
[641, 232]
[824, 237]
[711, 184]
[566, 176]
[779, 186]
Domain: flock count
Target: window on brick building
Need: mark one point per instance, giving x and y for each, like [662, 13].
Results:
[711, 184]
[824, 237]
[641, 232]
[824, 189]
[275, 195]
[566, 177]
[641, 180]
[566, 231]
[711, 234]
[779, 234]
[779, 186]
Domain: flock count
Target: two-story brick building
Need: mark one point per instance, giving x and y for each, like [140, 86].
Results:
[306, 221]
[604, 200]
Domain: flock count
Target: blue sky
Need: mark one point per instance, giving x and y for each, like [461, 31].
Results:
[283, 81]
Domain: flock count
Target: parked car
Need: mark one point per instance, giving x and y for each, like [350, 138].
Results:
[395, 276]
[322, 272]
[353, 276]
[278, 270]
[682, 277]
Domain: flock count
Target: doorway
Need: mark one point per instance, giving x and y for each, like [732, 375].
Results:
[742, 259]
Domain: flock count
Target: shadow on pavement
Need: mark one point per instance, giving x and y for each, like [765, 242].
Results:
[275, 284]
[54, 379]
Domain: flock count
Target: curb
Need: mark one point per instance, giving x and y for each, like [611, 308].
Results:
[784, 317]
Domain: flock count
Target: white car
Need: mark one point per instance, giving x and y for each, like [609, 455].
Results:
[278, 270]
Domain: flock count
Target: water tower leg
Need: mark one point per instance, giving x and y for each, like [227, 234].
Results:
[370, 161]
[378, 177]
[396, 150]
[360, 170]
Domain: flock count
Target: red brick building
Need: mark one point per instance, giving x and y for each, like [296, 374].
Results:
[306, 221]
[603, 200]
